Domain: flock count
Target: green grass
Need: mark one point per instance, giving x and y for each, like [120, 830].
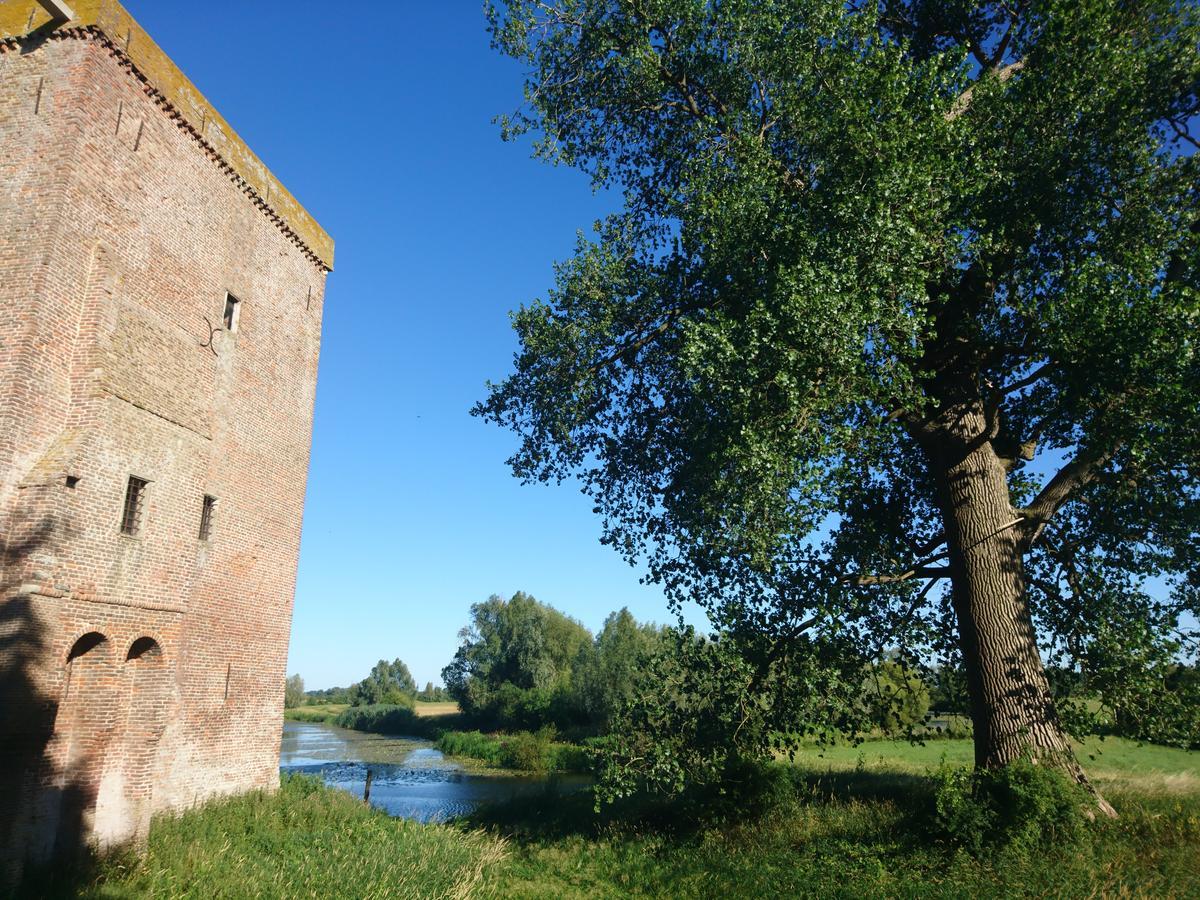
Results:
[834, 845]
[318, 712]
[1108, 761]
[829, 826]
[306, 840]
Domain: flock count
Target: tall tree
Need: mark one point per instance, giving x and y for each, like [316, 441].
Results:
[608, 670]
[903, 295]
[517, 643]
[387, 682]
[293, 691]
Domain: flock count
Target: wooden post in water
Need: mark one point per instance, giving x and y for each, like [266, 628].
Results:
[367, 787]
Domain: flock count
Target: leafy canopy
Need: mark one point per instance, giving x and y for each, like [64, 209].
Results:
[387, 683]
[736, 363]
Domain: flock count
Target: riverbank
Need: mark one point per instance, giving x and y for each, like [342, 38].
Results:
[410, 777]
[845, 828]
[441, 723]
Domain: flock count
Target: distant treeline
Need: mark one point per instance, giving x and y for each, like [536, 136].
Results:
[388, 683]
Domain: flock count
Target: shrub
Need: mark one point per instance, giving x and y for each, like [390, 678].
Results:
[528, 751]
[1021, 805]
[523, 751]
[304, 714]
[570, 758]
[380, 718]
[474, 744]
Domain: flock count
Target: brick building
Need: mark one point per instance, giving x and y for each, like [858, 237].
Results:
[162, 298]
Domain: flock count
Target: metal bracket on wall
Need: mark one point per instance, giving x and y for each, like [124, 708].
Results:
[58, 10]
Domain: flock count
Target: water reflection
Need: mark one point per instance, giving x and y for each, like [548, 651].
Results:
[412, 779]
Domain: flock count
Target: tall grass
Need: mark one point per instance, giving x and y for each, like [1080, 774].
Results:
[306, 840]
[522, 751]
[325, 713]
[783, 830]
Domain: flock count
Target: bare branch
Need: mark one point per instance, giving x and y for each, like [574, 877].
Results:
[1058, 490]
[936, 572]
[1036, 375]
[963, 103]
[1182, 133]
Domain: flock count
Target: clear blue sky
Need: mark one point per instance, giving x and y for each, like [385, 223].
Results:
[378, 118]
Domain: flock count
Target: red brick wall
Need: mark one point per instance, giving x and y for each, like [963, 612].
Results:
[120, 234]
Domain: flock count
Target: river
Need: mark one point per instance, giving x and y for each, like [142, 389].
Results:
[411, 778]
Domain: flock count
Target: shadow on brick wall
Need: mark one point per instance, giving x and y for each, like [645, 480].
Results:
[42, 812]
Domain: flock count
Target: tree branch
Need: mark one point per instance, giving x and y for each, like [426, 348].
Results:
[1182, 133]
[1059, 489]
[935, 572]
[963, 102]
[1036, 375]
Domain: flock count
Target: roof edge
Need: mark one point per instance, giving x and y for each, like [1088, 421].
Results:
[21, 19]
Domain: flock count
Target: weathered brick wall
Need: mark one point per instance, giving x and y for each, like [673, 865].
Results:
[120, 234]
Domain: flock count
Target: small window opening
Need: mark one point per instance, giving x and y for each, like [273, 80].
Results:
[72, 480]
[206, 516]
[131, 515]
[232, 309]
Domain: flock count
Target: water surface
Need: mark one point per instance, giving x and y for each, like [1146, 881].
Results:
[411, 778]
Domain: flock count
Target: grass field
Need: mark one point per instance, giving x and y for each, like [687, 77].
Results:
[853, 823]
[327, 712]
[436, 709]
[1125, 764]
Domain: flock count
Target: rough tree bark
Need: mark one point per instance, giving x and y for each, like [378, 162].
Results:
[1012, 707]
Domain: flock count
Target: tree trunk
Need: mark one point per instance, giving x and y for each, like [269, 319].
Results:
[1012, 708]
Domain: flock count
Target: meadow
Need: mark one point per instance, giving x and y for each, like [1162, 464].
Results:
[327, 712]
[840, 822]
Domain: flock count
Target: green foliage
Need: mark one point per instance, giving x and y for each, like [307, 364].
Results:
[523, 665]
[431, 694]
[1021, 805]
[514, 664]
[704, 705]
[529, 751]
[388, 683]
[607, 672]
[861, 240]
[897, 696]
[323, 713]
[474, 744]
[382, 719]
[293, 691]
[337, 695]
[523, 751]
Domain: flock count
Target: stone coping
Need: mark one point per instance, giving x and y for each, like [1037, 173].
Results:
[21, 20]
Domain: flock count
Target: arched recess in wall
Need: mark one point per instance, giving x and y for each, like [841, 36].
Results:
[83, 730]
[147, 680]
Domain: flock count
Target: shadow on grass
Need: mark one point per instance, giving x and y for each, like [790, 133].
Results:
[751, 795]
[75, 877]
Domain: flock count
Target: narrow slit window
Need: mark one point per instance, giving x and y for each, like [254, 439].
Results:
[206, 516]
[131, 515]
[233, 306]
